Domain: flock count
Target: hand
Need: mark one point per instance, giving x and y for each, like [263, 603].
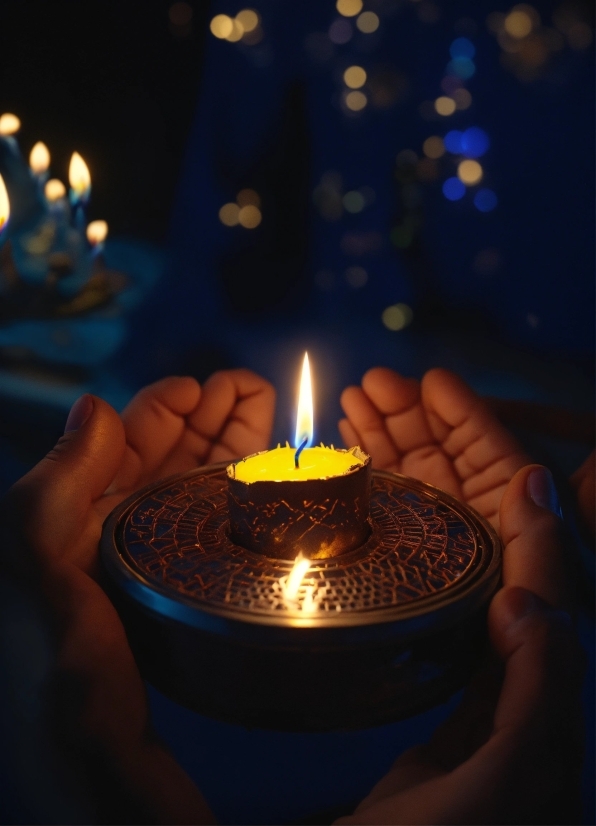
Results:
[437, 430]
[512, 752]
[56, 513]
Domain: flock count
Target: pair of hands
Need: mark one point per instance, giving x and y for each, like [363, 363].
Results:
[438, 431]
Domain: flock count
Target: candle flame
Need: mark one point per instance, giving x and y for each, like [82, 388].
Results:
[4, 204]
[97, 232]
[39, 159]
[304, 418]
[54, 189]
[78, 175]
[9, 124]
[295, 577]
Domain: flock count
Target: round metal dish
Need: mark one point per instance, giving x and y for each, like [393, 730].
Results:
[394, 626]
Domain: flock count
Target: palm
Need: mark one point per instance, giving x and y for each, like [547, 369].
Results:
[437, 430]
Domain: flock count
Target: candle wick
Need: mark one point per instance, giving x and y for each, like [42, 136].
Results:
[298, 452]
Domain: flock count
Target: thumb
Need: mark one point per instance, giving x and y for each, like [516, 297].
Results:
[50, 509]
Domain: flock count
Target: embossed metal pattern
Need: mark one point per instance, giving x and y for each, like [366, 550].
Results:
[174, 537]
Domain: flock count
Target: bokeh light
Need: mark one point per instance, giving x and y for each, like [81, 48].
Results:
[221, 26]
[353, 201]
[453, 189]
[397, 316]
[9, 124]
[368, 22]
[39, 158]
[97, 232]
[485, 200]
[248, 19]
[444, 106]
[356, 277]
[469, 172]
[433, 147]
[248, 197]
[354, 77]
[237, 32]
[453, 142]
[249, 216]
[462, 47]
[356, 101]
[180, 14]
[349, 8]
[54, 189]
[228, 214]
[518, 24]
[340, 32]
[474, 142]
[462, 67]
[462, 98]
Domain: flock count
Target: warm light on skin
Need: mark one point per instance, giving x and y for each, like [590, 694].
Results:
[54, 189]
[469, 172]
[248, 19]
[349, 8]
[221, 26]
[4, 204]
[445, 106]
[78, 175]
[9, 124]
[97, 232]
[305, 414]
[39, 159]
[355, 77]
[356, 101]
[295, 577]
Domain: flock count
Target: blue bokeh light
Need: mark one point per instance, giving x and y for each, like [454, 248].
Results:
[453, 189]
[485, 200]
[461, 67]
[474, 142]
[462, 47]
[453, 142]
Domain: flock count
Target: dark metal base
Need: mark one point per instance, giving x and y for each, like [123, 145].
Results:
[209, 628]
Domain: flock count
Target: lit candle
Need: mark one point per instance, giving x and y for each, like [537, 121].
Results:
[80, 188]
[4, 208]
[313, 500]
[97, 232]
[39, 161]
[9, 124]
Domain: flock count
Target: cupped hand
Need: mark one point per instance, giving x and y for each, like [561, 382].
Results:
[512, 752]
[437, 430]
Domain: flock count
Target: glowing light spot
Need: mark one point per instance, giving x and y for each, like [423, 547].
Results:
[453, 189]
[180, 14]
[474, 142]
[237, 32]
[4, 204]
[248, 197]
[221, 26]
[39, 158]
[433, 147]
[248, 19]
[340, 32]
[78, 176]
[349, 8]
[462, 67]
[353, 201]
[54, 189]
[9, 124]
[450, 83]
[453, 142]
[579, 36]
[249, 216]
[295, 577]
[354, 77]
[97, 232]
[356, 277]
[469, 172]
[368, 22]
[462, 98]
[397, 316]
[444, 106]
[485, 200]
[356, 101]
[228, 214]
[518, 24]
[462, 47]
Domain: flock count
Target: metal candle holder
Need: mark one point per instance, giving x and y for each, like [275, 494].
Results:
[395, 625]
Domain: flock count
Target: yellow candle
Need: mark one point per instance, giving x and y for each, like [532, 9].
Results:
[278, 465]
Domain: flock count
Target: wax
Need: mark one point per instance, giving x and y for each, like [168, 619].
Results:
[278, 465]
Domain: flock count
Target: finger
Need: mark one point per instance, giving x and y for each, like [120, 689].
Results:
[536, 551]
[367, 422]
[398, 400]
[154, 422]
[235, 415]
[347, 433]
[51, 507]
[484, 454]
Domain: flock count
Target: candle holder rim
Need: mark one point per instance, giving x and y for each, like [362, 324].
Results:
[366, 460]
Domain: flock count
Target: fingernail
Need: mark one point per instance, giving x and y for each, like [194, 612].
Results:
[79, 413]
[542, 490]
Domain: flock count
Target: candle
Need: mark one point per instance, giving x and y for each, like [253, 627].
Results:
[97, 232]
[309, 500]
[80, 188]
[39, 161]
[4, 207]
